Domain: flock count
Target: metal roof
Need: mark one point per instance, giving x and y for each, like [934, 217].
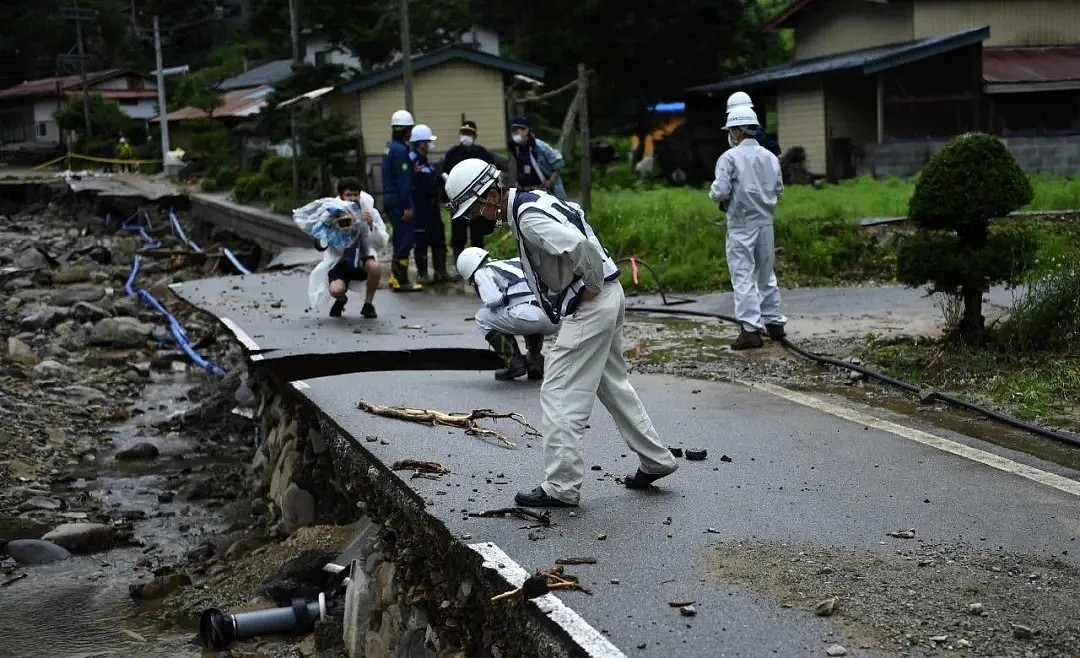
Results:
[1015, 70]
[865, 61]
[237, 103]
[265, 74]
[66, 83]
[436, 57]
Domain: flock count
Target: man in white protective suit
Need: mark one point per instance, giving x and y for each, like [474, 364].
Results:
[577, 285]
[510, 310]
[747, 186]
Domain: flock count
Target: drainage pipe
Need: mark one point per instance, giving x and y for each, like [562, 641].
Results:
[236, 263]
[219, 630]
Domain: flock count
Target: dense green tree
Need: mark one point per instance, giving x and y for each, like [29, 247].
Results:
[107, 120]
[971, 181]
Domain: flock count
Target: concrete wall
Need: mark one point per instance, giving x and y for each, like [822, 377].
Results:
[801, 118]
[43, 114]
[1012, 22]
[1054, 155]
[835, 26]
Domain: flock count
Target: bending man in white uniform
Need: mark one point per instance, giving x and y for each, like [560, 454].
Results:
[510, 310]
[577, 283]
[748, 185]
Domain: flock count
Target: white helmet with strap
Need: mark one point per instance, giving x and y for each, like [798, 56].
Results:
[739, 99]
[741, 117]
[470, 260]
[466, 182]
[421, 133]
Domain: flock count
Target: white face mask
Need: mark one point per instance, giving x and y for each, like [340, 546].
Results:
[466, 140]
[518, 138]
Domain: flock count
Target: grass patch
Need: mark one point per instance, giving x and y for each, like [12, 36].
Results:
[1039, 387]
[681, 232]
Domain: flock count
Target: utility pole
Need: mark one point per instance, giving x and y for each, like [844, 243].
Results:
[163, 121]
[298, 61]
[406, 53]
[583, 125]
[78, 14]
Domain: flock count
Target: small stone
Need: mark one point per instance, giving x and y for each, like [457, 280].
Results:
[74, 274]
[939, 638]
[597, 468]
[675, 452]
[1022, 632]
[197, 490]
[50, 369]
[614, 581]
[975, 609]
[138, 451]
[86, 311]
[725, 458]
[165, 497]
[601, 537]
[20, 352]
[825, 608]
[297, 508]
[75, 294]
[836, 650]
[688, 611]
[82, 537]
[962, 643]
[44, 318]
[40, 504]
[36, 551]
[927, 395]
[902, 534]
[696, 454]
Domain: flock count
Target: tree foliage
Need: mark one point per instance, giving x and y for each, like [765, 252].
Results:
[107, 120]
[973, 180]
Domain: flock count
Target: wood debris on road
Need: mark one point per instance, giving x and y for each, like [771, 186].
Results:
[466, 422]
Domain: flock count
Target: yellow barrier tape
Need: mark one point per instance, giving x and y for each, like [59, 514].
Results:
[93, 159]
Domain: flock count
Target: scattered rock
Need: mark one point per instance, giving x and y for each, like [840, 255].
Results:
[902, 534]
[196, 490]
[84, 395]
[975, 609]
[165, 497]
[159, 587]
[1022, 632]
[302, 576]
[938, 639]
[725, 459]
[297, 508]
[100, 255]
[75, 294]
[675, 452]
[697, 454]
[73, 274]
[41, 504]
[31, 259]
[242, 547]
[259, 507]
[962, 643]
[36, 551]
[836, 650]
[120, 332]
[49, 369]
[825, 608]
[687, 611]
[927, 396]
[141, 450]
[86, 311]
[45, 317]
[82, 537]
[20, 352]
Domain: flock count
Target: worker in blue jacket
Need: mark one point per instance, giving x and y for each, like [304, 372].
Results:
[397, 198]
[427, 217]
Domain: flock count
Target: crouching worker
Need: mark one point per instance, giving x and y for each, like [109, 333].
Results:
[510, 310]
[351, 232]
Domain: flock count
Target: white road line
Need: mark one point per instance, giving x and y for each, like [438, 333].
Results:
[591, 641]
[300, 385]
[989, 459]
[241, 335]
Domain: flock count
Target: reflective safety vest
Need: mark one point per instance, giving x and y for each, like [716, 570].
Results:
[517, 287]
[556, 304]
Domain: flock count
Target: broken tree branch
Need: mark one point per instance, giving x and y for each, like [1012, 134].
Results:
[543, 582]
[421, 469]
[550, 94]
[466, 422]
[543, 518]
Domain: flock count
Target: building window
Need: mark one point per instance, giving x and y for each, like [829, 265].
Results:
[42, 129]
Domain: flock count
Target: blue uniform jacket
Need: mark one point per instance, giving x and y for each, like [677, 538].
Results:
[397, 178]
[425, 182]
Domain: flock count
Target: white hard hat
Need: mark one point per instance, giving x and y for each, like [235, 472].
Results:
[470, 260]
[466, 182]
[421, 133]
[739, 99]
[741, 116]
[401, 118]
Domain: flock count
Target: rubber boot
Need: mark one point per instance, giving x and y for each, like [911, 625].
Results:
[507, 348]
[421, 266]
[399, 277]
[534, 359]
[438, 260]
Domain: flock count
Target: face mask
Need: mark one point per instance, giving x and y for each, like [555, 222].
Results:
[518, 138]
[466, 140]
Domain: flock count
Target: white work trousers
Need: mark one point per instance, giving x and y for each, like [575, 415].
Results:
[520, 320]
[586, 363]
[750, 256]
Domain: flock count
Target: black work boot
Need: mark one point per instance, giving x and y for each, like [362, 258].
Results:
[438, 263]
[534, 358]
[339, 307]
[775, 331]
[506, 347]
[422, 267]
[747, 340]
